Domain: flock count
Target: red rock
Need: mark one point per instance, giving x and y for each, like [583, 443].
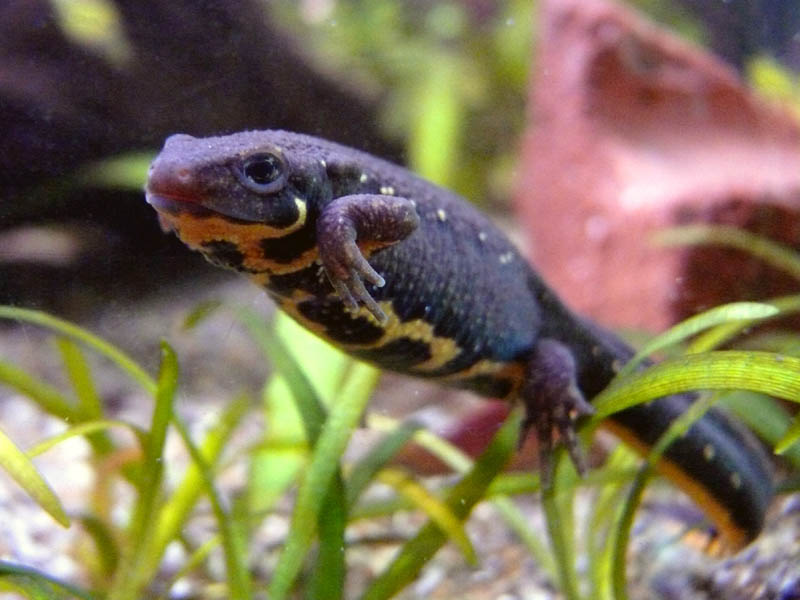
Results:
[471, 434]
[634, 130]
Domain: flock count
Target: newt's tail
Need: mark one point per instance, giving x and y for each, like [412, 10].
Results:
[717, 463]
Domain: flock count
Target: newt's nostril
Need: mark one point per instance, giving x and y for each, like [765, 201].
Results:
[183, 175]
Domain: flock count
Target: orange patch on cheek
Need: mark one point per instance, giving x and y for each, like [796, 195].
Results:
[247, 237]
[194, 231]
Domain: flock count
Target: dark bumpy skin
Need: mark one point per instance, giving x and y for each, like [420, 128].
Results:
[409, 276]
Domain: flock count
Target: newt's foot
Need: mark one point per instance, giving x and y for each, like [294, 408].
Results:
[553, 405]
[347, 270]
[374, 221]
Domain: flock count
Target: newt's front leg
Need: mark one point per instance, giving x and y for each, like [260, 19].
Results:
[352, 223]
[553, 403]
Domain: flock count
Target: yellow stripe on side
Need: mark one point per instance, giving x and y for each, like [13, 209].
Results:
[512, 371]
[734, 537]
[442, 349]
[262, 265]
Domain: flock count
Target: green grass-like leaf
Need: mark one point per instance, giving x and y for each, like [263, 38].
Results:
[107, 549]
[775, 81]
[99, 345]
[37, 585]
[368, 467]
[80, 376]
[789, 438]
[327, 577]
[720, 370]
[329, 506]
[236, 564]
[309, 404]
[176, 510]
[727, 313]
[201, 311]
[48, 398]
[133, 574]
[88, 405]
[17, 464]
[766, 417]
[453, 457]
[620, 534]
[503, 485]
[724, 332]
[435, 129]
[323, 465]
[87, 428]
[127, 171]
[607, 505]
[516, 520]
[557, 502]
[437, 511]
[461, 499]
[778, 255]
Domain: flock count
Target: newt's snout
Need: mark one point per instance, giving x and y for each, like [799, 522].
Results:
[171, 184]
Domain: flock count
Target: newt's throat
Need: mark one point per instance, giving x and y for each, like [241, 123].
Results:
[245, 247]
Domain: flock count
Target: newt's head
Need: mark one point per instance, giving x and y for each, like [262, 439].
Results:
[231, 197]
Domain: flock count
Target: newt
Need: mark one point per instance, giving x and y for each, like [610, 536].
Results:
[409, 276]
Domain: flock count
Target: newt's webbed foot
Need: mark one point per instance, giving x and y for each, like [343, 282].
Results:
[553, 405]
[352, 223]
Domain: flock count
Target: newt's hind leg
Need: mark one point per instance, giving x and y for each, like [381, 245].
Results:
[553, 403]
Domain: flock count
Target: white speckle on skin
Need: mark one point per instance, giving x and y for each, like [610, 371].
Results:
[363, 178]
[387, 190]
[506, 258]
[736, 480]
[323, 163]
[482, 236]
[441, 215]
[709, 452]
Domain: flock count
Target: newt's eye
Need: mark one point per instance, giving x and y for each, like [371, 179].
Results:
[263, 173]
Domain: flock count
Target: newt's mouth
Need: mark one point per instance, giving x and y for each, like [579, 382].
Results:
[172, 209]
[174, 204]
